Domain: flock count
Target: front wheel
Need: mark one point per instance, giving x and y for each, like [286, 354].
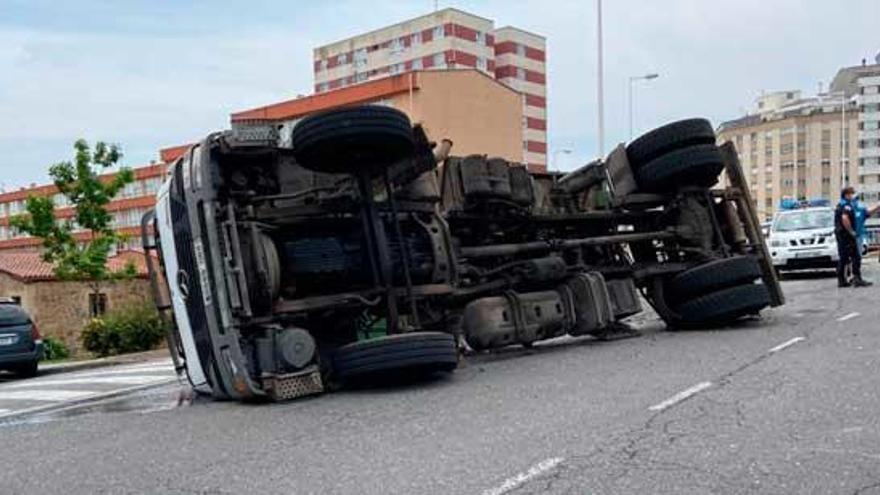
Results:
[396, 356]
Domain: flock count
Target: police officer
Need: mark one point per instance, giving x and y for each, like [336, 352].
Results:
[848, 248]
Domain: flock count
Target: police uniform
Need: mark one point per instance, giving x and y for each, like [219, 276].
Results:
[847, 245]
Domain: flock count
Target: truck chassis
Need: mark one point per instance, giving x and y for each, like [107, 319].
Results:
[364, 250]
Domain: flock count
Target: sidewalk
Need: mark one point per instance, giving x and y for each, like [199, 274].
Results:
[138, 357]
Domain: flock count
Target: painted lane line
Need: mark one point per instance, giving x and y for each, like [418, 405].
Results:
[849, 316]
[785, 344]
[112, 380]
[45, 395]
[683, 395]
[519, 479]
[157, 369]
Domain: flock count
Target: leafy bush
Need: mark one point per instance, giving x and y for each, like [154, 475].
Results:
[54, 349]
[131, 329]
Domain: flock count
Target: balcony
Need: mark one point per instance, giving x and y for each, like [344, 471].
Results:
[875, 134]
[869, 170]
[869, 188]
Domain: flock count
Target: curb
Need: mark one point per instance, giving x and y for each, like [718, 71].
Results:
[77, 403]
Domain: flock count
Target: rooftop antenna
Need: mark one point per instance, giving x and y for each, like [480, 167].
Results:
[436, 6]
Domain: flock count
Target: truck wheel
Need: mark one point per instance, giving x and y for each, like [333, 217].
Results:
[336, 141]
[711, 277]
[723, 306]
[694, 166]
[670, 137]
[416, 353]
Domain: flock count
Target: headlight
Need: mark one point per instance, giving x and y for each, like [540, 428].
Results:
[776, 243]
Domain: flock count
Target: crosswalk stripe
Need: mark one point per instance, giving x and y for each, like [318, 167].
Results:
[123, 371]
[45, 395]
[123, 380]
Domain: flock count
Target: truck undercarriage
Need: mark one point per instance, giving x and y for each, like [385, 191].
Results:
[366, 250]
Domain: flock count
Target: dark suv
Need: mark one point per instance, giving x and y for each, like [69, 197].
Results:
[21, 346]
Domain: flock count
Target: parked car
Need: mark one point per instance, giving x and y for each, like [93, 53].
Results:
[21, 346]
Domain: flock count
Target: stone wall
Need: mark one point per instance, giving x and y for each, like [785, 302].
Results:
[61, 309]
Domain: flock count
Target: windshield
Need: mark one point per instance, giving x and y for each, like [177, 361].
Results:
[11, 314]
[804, 220]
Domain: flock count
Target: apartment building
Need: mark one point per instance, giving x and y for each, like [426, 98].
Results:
[474, 110]
[795, 147]
[442, 40]
[869, 137]
[127, 208]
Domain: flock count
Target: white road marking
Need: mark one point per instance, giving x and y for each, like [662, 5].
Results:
[785, 344]
[45, 395]
[849, 316]
[122, 371]
[517, 480]
[88, 380]
[684, 394]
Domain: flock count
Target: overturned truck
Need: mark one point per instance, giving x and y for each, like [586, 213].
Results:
[358, 248]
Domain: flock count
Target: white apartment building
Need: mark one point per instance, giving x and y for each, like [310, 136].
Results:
[448, 39]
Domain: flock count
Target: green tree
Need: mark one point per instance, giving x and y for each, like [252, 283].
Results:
[80, 181]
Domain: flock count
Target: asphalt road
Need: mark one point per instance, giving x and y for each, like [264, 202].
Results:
[787, 404]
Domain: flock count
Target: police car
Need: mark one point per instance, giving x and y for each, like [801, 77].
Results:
[802, 236]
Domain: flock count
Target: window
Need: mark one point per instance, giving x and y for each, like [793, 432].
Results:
[360, 77]
[396, 68]
[60, 200]
[151, 185]
[439, 60]
[417, 39]
[438, 32]
[481, 38]
[343, 58]
[521, 49]
[481, 63]
[322, 87]
[360, 58]
[520, 73]
[417, 64]
[97, 304]
[324, 64]
[397, 45]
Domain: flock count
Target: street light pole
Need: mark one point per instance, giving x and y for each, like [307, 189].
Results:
[632, 80]
[556, 153]
[599, 86]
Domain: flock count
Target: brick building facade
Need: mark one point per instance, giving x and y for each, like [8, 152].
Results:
[61, 309]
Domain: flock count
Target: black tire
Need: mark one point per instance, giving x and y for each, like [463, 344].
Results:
[670, 137]
[693, 166]
[26, 370]
[336, 141]
[723, 306]
[711, 277]
[408, 354]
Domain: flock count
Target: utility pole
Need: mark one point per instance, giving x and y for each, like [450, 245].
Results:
[599, 86]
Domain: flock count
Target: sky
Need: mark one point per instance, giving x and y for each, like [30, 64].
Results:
[147, 74]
